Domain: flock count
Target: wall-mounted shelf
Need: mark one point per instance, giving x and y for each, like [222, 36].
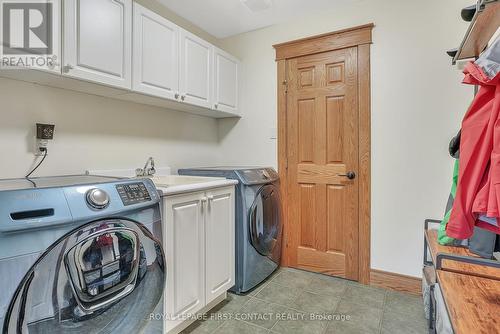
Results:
[483, 26]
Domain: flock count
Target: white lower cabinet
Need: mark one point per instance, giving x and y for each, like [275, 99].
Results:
[219, 243]
[185, 249]
[199, 246]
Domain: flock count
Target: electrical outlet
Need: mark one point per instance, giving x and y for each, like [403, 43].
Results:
[273, 133]
[40, 147]
[44, 133]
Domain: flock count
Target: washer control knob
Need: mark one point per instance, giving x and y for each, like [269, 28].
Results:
[97, 198]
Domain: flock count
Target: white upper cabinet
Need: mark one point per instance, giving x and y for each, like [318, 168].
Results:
[97, 41]
[196, 70]
[225, 82]
[155, 54]
[140, 55]
[54, 65]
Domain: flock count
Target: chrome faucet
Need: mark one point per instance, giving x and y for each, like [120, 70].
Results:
[146, 171]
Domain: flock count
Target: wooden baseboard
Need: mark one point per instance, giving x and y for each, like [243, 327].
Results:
[397, 282]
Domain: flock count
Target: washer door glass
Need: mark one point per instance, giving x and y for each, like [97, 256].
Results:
[265, 220]
[103, 277]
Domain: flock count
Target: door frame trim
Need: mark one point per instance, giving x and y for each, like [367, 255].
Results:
[360, 37]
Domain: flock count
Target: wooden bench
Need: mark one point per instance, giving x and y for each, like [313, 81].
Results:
[470, 286]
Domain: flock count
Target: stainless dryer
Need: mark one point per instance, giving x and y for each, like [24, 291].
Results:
[258, 221]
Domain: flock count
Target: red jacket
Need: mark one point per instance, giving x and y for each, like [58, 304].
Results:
[478, 190]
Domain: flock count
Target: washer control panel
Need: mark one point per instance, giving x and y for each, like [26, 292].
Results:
[133, 193]
[97, 198]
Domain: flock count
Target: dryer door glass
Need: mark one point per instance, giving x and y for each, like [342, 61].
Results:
[103, 277]
[265, 220]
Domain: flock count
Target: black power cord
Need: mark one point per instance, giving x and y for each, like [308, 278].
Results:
[38, 165]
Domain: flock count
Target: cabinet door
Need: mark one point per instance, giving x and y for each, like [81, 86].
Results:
[184, 239]
[97, 41]
[155, 54]
[196, 75]
[225, 82]
[220, 248]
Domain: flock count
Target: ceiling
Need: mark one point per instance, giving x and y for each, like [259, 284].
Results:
[224, 18]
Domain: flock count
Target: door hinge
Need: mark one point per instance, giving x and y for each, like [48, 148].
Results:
[285, 83]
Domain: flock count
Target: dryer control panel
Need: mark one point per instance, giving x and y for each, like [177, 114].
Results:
[133, 193]
[258, 176]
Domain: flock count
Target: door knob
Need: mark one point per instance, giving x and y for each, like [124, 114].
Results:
[349, 175]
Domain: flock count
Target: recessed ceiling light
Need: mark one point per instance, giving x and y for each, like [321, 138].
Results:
[257, 5]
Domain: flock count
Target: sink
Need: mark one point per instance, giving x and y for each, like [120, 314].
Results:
[179, 180]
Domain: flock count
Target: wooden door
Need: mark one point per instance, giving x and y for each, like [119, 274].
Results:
[220, 248]
[196, 75]
[156, 54]
[184, 243]
[97, 41]
[322, 148]
[225, 82]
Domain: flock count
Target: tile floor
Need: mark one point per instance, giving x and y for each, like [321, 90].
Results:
[288, 299]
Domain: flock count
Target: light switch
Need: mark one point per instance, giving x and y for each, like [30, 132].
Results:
[273, 133]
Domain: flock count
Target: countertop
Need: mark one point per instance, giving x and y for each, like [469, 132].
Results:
[203, 183]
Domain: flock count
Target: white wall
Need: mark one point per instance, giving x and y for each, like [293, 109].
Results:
[96, 133]
[157, 7]
[417, 104]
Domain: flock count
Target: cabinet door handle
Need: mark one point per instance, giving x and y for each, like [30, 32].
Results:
[176, 96]
[203, 201]
[210, 199]
[67, 68]
[183, 97]
[216, 106]
[51, 65]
